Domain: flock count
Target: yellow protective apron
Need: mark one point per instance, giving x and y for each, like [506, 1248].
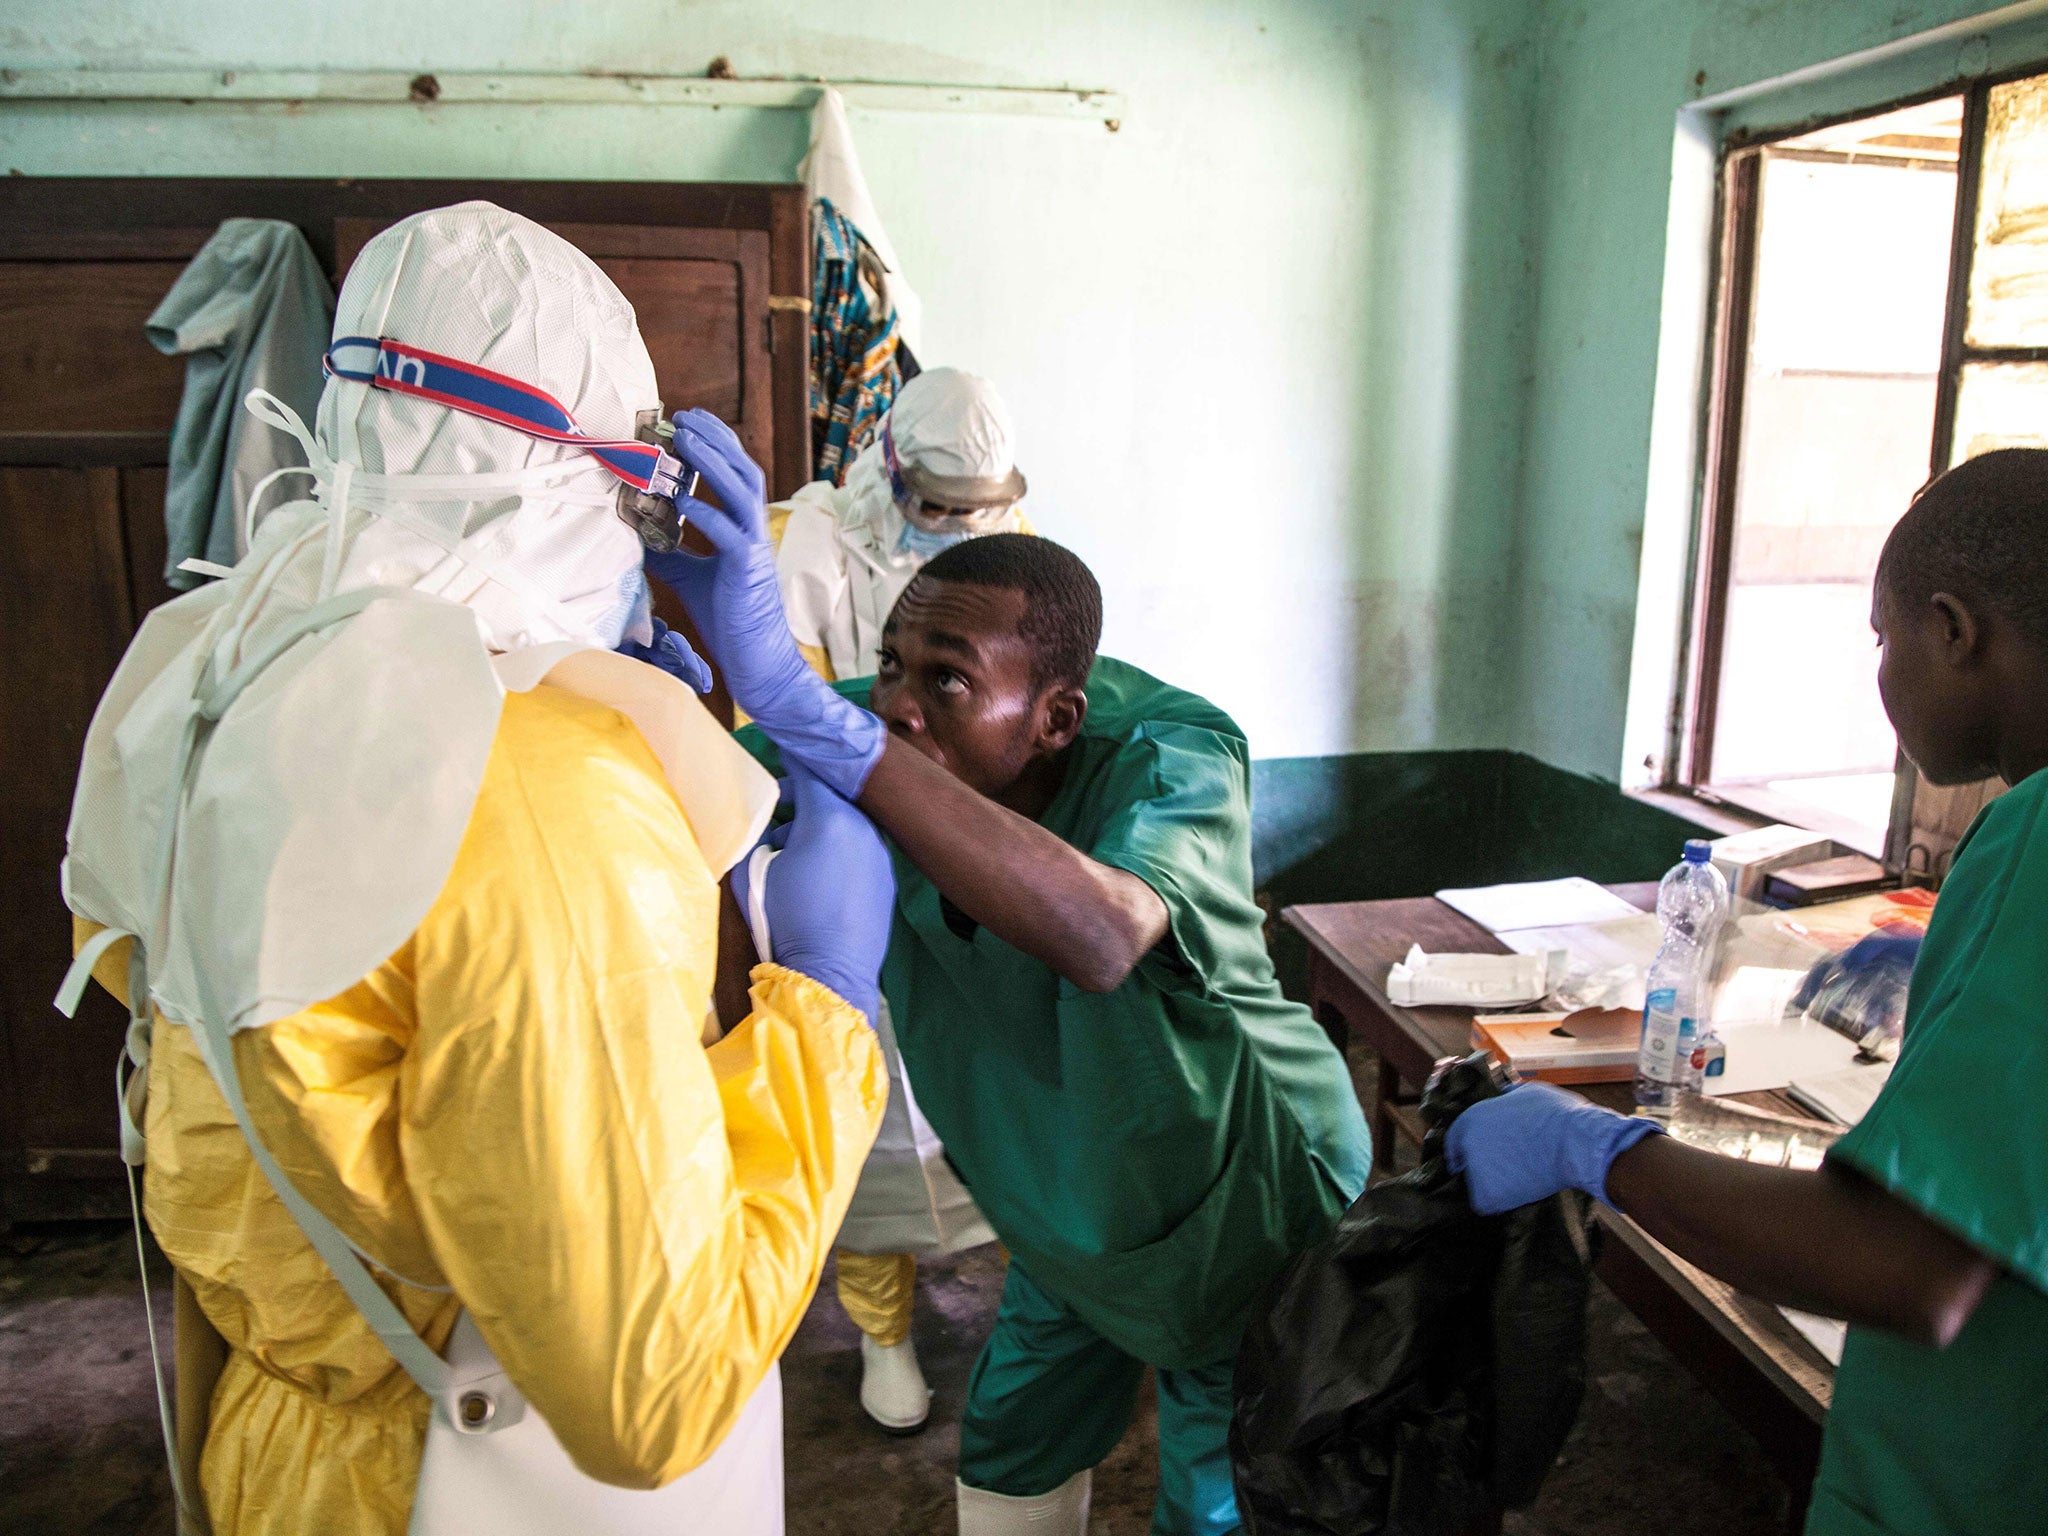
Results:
[209, 832]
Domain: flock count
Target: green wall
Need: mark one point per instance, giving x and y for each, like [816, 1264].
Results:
[1384, 824]
[1335, 362]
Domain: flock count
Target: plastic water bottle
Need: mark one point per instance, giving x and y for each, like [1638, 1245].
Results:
[1691, 903]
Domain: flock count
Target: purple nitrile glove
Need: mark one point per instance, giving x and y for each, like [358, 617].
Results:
[736, 604]
[829, 894]
[1534, 1140]
[672, 654]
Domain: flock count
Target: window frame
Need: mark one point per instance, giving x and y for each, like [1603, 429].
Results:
[1739, 160]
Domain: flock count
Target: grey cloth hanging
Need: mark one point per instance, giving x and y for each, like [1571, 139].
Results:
[252, 311]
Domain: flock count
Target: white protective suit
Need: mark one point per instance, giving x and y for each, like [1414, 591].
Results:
[396, 838]
[843, 559]
[847, 552]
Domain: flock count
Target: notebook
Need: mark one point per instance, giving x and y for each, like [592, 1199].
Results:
[1844, 1097]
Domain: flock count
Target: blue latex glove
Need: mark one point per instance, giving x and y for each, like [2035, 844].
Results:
[736, 605]
[1535, 1140]
[831, 893]
[672, 653]
[1887, 950]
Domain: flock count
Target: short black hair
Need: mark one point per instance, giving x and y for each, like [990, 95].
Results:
[1980, 532]
[1062, 600]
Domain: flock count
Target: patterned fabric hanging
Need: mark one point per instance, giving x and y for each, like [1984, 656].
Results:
[855, 369]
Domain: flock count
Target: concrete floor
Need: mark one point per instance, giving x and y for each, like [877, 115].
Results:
[80, 1453]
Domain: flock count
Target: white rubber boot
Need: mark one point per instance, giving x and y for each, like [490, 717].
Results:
[1063, 1512]
[892, 1388]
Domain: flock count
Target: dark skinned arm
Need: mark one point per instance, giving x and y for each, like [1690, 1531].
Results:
[1091, 923]
[730, 997]
[1826, 1240]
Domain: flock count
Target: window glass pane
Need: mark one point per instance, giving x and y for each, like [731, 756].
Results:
[2001, 405]
[1851, 280]
[2009, 269]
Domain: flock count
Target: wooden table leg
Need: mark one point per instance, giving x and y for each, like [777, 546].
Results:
[1381, 1118]
[1335, 1025]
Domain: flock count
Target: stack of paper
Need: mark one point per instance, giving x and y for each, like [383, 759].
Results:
[1537, 904]
[1844, 1097]
[1607, 943]
[1765, 1048]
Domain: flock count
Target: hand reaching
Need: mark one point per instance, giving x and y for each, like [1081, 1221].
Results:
[734, 600]
[1534, 1140]
[830, 893]
[672, 654]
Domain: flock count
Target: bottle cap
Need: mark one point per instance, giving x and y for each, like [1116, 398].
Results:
[1698, 850]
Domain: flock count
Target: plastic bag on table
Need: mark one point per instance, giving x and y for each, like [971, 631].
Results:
[1423, 1365]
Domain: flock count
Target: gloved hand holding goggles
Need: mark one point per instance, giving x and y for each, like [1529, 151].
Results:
[733, 598]
[652, 478]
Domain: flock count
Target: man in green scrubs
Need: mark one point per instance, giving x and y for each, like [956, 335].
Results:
[1090, 1021]
[1927, 1228]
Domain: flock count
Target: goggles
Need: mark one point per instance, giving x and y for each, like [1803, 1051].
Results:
[910, 482]
[651, 476]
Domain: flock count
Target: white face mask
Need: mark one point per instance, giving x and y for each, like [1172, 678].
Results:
[922, 543]
[927, 533]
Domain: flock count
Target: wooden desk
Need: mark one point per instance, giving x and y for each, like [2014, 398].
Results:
[1762, 1369]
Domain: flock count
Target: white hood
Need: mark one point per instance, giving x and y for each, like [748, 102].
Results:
[488, 287]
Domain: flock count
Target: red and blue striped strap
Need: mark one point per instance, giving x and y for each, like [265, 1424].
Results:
[383, 363]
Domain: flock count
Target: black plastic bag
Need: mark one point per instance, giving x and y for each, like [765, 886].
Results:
[1423, 1365]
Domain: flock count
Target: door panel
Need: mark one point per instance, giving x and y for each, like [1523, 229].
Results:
[142, 515]
[63, 325]
[689, 314]
[65, 632]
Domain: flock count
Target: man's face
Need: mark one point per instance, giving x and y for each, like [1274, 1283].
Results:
[1934, 703]
[955, 681]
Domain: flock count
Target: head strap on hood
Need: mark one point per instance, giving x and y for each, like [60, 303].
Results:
[384, 363]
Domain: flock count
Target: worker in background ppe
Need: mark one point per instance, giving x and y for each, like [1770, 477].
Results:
[416, 888]
[941, 469]
[1084, 997]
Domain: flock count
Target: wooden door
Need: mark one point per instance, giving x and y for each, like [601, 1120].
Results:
[86, 407]
[717, 274]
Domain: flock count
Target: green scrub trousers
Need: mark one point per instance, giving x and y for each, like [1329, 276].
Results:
[1051, 1397]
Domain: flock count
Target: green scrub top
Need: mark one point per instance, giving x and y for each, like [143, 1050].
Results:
[1956, 1440]
[1155, 1154]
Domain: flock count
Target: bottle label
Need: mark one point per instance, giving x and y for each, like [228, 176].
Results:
[1661, 1028]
